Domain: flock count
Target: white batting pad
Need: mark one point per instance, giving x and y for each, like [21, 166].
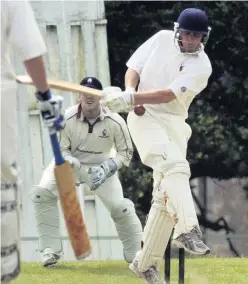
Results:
[47, 219]
[128, 227]
[156, 235]
[10, 239]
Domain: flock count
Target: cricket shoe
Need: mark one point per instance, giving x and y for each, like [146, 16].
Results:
[197, 232]
[151, 275]
[192, 242]
[50, 257]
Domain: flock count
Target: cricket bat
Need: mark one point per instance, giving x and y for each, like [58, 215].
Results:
[69, 202]
[60, 85]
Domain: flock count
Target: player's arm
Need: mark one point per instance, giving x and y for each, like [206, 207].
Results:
[154, 97]
[191, 82]
[123, 143]
[26, 40]
[65, 136]
[131, 79]
[36, 69]
[137, 61]
[124, 148]
[65, 142]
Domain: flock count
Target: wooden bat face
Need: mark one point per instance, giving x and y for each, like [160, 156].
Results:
[74, 220]
[61, 85]
[76, 227]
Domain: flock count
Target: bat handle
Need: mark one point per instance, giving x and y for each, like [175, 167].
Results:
[59, 160]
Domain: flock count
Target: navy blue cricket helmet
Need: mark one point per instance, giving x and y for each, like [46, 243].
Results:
[195, 21]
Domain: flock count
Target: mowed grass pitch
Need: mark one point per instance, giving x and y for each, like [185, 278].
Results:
[197, 271]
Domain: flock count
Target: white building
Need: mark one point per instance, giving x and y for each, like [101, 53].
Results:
[75, 35]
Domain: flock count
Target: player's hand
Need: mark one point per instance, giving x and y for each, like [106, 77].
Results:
[74, 162]
[99, 174]
[118, 101]
[51, 108]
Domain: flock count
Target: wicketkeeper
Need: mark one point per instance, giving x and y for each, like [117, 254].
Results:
[90, 134]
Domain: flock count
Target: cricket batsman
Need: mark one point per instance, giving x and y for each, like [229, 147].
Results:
[19, 31]
[172, 68]
[91, 132]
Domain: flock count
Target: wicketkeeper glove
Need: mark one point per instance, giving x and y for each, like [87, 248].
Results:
[101, 173]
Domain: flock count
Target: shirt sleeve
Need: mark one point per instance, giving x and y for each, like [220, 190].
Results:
[24, 33]
[192, 81]
[138, 59]
[123, 144]
[65, 142]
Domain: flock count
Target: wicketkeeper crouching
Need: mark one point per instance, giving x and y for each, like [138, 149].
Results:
[90, 134]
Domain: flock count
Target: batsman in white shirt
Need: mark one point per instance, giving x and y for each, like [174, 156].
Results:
[20, 32]
[172, 68]
[90, 134]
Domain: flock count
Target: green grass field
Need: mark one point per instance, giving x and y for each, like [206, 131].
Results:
[197, 271]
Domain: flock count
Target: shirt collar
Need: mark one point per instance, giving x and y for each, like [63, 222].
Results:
[103, 113]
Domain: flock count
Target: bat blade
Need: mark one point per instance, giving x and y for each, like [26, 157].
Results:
[72, 211]
[60, 85]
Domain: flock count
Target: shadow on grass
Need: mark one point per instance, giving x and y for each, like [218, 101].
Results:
[89, 269]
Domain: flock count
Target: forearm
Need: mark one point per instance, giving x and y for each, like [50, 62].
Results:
[154, 97]
[65, 146]
[120, 161]
[36, 69]
[131, 78]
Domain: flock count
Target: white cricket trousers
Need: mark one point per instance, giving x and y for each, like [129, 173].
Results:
[10, 236]
[47, 213]
[110, 192]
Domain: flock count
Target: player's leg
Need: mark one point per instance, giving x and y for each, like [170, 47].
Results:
[167, 161]
[157, 231]
[180, 202]
[122, 210]
[10, 234]
[159, 223]
[165, 153]
[177, 173]
[45, 206]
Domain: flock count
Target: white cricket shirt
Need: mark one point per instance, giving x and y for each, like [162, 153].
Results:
[161, 65]
[19, 31]
[91, 143]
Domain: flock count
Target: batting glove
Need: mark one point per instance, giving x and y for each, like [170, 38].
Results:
[101, 173]
[51, 108]
[118, 101]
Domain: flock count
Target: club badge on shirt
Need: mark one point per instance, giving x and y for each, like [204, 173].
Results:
[183, 89]
[104, 134]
